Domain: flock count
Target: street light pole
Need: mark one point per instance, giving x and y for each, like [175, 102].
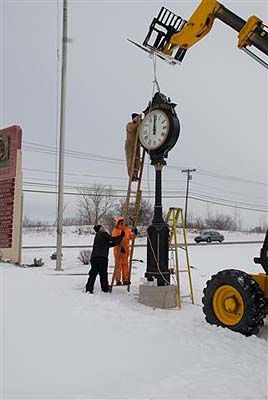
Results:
[62, 138]
[189, 178]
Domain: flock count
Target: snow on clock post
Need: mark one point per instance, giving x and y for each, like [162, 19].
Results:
[10, 194]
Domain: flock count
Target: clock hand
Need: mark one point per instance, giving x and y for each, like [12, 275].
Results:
[154, 125]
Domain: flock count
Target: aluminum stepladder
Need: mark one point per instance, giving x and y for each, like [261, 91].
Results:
[134, 219]
[172, 218]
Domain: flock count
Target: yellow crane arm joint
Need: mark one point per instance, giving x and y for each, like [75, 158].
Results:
[244, 35]
[199, 25]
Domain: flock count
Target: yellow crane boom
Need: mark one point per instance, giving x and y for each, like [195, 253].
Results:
[173, 36]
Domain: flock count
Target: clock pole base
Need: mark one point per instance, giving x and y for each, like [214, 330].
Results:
[158, 297]
[157, 254]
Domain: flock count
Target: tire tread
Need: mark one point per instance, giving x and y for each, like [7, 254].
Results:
[252, 296]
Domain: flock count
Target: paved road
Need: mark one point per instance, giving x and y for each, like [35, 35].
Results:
[144, 245]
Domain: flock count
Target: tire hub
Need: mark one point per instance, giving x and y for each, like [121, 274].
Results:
[231, 305]
[228, 305]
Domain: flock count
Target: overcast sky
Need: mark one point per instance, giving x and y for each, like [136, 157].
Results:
[221, 95]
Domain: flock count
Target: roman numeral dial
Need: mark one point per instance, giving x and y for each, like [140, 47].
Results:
[154, 129]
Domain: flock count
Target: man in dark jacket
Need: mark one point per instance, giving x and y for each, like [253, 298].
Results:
[99, 257]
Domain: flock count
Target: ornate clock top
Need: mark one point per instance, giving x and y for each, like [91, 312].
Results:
[160, 128]
[161, 101]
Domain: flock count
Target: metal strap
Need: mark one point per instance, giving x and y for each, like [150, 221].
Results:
[255, 57]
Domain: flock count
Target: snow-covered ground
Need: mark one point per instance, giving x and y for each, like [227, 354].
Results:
[60, 343]
[47, 236]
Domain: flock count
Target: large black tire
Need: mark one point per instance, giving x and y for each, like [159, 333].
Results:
[245, 310]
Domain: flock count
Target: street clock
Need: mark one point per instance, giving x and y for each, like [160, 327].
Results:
[158, 134]
[160, 127]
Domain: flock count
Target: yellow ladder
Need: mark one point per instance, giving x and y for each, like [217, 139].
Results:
[172, 218]
[134, 219]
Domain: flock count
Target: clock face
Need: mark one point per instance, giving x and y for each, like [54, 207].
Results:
[154, 129]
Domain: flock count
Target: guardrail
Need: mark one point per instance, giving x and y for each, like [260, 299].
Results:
[86, 246]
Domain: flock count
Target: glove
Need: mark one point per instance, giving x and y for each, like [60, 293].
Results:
[122, 234]
[123, 251]
[135, 231]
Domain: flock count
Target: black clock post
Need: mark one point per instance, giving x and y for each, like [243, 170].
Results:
[158, 231]
[158, 235]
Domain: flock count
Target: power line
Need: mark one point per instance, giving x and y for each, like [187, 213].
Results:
[87, 188]
[152, 180]
[88, 194]
[71, 155]
[171, 193]
[151, 197]
[46, 149]
[227, 205]
[91, 176]
[229, 177]
[77, 154]
[82, 185]
[212, 196]
[229, 191]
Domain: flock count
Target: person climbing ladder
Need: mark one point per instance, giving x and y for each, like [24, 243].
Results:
[131, 133]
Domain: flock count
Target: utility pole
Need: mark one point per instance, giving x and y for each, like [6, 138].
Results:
[62, 138]
[189, 178]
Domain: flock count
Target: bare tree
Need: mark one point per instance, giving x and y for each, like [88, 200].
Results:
[84, 206]
[94, 203]
[190, 219]
[238, 219]
[259, 229]
[69, 221]
[145, 215]
[28, 222]
[208, 212]
[109, 220]
[218, 221]
[222, 222]
[199, 223]
[147, 212]
[262, 227]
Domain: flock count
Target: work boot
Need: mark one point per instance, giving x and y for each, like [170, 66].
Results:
[126, 282]
[118, 283]
[89, 289]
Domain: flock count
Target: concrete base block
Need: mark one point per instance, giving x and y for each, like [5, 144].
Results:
[158, 296]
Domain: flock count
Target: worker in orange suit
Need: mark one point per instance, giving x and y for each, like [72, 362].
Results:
[122, 267]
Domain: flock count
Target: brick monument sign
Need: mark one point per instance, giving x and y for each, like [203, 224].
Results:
[10, 194]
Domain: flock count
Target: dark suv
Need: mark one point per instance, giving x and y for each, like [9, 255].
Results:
[209, 236]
